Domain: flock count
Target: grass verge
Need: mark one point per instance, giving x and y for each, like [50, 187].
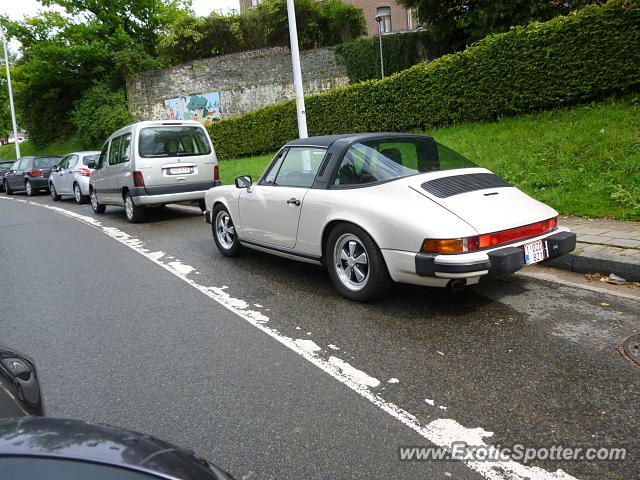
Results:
[582, 160]
[61, 147]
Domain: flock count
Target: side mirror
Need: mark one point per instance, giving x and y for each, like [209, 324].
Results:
[91, 164]
[244, 181]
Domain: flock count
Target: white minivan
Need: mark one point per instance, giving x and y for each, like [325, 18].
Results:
[152, 163]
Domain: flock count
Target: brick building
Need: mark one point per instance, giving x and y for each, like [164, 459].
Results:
[395, 17]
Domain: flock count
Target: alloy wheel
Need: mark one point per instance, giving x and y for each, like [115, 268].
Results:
[351, 262]
[225, 231]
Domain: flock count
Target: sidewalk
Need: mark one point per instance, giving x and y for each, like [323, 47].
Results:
[604, 246]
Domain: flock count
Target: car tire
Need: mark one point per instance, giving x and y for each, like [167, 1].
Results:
[54, 195]
[7, 188]
[95, 205]
[355, 264]
[224, 232]
[133, 212]
[28, 188]
[77, 194]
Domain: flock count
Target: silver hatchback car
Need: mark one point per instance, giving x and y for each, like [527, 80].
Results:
[71, 176]
[152, 163]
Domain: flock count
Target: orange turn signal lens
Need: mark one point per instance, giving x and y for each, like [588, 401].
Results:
[455, 245]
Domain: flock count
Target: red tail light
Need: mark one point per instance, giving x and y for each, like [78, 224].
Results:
[138, 180]
[216, 173]
[34, 173]
[507, 236]
[470, 244]
[85, 172]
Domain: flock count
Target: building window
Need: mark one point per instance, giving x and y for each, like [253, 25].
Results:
[385, 13]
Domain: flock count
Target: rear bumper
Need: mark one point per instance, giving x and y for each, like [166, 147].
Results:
[38, 182]
[498, 262]
[171, 193]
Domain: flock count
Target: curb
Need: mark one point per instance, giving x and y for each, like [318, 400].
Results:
[583, 264]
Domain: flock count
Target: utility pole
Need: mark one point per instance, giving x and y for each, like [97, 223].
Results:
[13, 112]
[297, 71]
[379, 20]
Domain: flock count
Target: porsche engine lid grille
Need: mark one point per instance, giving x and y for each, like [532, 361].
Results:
[456, 184]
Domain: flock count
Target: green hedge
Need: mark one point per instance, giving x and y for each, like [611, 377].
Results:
[401, 51]
[567, 60]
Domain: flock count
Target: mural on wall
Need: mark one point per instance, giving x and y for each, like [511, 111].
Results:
[205, 108]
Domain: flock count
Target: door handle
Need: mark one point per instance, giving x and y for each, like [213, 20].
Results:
[293, 201]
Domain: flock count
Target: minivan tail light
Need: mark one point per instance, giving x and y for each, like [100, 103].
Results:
[85, 172]
[138, 180]
[34, 173]
[216, 173]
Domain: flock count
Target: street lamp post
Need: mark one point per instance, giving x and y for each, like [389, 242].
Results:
[13, 112]
[297, 71]
[379, 20]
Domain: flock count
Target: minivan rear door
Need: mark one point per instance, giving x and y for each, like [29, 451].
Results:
[174, 157]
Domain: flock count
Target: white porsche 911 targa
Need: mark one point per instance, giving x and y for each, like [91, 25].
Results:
[383, 207]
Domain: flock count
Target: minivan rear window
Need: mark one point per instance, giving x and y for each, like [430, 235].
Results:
[173, 141]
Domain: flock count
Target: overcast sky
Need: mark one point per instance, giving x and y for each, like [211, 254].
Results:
[16, 9]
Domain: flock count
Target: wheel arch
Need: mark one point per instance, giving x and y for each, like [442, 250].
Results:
[331, 225]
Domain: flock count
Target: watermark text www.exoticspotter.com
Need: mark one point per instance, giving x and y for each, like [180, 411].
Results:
[520, 453]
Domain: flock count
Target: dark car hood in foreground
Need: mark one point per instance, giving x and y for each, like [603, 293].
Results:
[104, 444]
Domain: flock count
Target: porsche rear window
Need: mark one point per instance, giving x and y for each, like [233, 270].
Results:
[382, 159]
[173, 141]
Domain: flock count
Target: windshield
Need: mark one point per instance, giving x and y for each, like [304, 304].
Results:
[6, 165]
[46, 162]
[172, 141]
[91, 158]
[382, 159]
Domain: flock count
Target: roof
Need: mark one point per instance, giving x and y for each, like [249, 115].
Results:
[328, 140]
[85, 152]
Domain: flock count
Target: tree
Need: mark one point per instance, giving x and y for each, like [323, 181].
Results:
[5, 113]
[460, 22]
[320, 24]
[64, 53]
[100, 111]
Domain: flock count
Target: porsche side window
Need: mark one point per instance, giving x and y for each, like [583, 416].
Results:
[378, 160]
[300, 167]
[296, 167]
[270, 178]
[363, 164]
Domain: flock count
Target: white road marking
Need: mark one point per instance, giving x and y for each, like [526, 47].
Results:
[393, 380]
[442, 432]
[333, 347]
[430, 402]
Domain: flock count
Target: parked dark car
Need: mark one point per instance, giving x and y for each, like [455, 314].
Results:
[30, 174]
[35, 447]
[5, 165]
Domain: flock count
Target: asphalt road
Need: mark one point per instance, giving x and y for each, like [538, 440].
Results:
[121, 335]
